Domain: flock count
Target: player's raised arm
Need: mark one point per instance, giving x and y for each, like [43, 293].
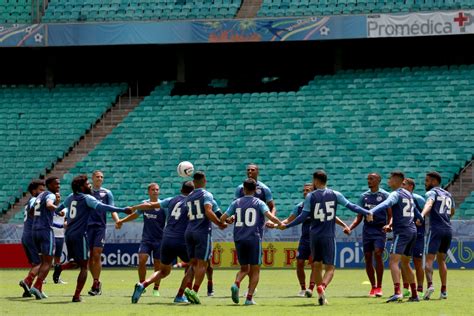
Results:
[303, 215]
[351, 206]
[92, 202]
[146, 206]
[391, 200]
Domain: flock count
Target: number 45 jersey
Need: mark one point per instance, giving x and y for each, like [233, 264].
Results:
[322, 206]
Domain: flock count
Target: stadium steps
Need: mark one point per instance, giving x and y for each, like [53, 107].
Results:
[88, 142]
[249, 9]
[463, 186]
[466, 209]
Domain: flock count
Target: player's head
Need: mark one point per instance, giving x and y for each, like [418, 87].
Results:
[97, 179]
[36, 187]
[153, 191]
[80, 184]
[199, 179]
[187, 187]
[373, 180]
[320, 178]
[252, 171]
[409, 184]
[307, 188]
[53, 184]
[432, 179]
[396, 179]
[250, 186]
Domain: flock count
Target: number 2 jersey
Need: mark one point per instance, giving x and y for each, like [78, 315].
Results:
[403, 211]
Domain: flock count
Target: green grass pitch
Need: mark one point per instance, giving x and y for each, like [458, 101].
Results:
[276, 296]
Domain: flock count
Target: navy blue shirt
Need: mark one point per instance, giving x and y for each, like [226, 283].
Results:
[403, 213]
[177, 217]
[80, 207]
[419, 204]
[43, 217]
[262, 192]
[321, 206]
[248, 212]
[153, 224]
[195, 202]
[440, 214]
[98, 218]
[305, 227]
[369, 200]
[28, 219]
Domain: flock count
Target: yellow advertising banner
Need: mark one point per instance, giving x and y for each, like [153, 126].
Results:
[274, 255]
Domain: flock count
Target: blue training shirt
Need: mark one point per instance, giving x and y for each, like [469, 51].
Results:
[177, 217]
[105, 196]
[262, 192]
[369, 200]
[80, 207]
[153, 224]
[440, 214]
[248, 212]
[403, 211]
[305, 227]
[195, 203]
[28, 216]
[419, 204]
[43, 217]
[321, 206]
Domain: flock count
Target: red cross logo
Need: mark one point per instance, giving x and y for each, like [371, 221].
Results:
[461, 19]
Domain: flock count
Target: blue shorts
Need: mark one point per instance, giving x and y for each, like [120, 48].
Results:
[58, 242]
[198, 245]
[96, 236]
[150, 248]
[77, 247]
[249, 251]
[304, 250]
[171, 249]
[403, 244]
[323, 249]
[44, 241]
[439, 241]
[419, 247]
[370, 243]
[30, 249]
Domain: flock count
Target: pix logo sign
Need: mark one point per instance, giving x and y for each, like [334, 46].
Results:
[463, 20]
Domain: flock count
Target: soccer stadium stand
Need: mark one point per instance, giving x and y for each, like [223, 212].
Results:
[40, 125]
[272, 8]
[120, 10]
[15, 11]
[466, 209]
[350, 124]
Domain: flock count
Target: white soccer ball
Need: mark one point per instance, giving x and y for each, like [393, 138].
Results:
[185, 169]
